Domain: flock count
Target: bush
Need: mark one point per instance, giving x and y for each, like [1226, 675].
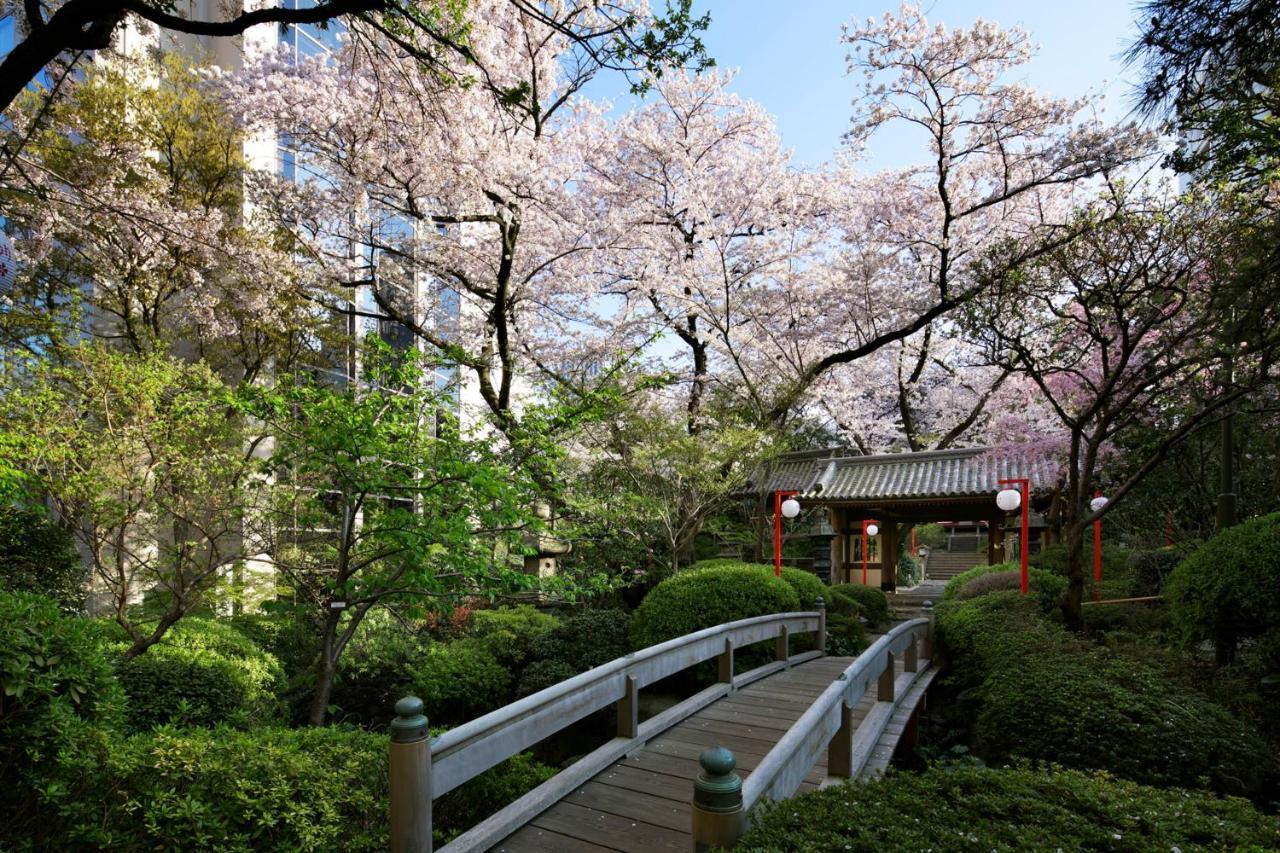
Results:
[376, 669]
[807, 585]
[1053, 558]
[293, 641]
[219, 789]
[54, 681]
[846, 637]
[586, 639]
[873, 602]
[1150, 570]
[1229, 589]
[1047, 585]
[509, 633]
[691, 601]
[459, 681]
[988, 583]
[541, 674]
[472, 802]
[40, 557]
[910, 570]
[203, 672]
[1090, 709]
[979, 809]
[843, 604]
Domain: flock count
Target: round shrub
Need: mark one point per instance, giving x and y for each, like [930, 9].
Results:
[201, 673]
[691, 601]
[459, 681]
[541, 674]
[874, 603]
[1047, 586]
[1150, 570]
[807, 585]
[38, 556]
[509, 633]
[979, 809]
[846, 636]
[1229, 588]
[988, 583]
[842, 603]
[586, 639]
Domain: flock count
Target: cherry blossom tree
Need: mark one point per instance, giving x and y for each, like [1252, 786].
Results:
[1123, 330]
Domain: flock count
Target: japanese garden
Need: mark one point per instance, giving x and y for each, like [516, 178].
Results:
[633, 425]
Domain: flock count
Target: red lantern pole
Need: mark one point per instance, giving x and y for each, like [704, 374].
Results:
[1097, 553]
[777, 529]
[1025, 485]
[865, 523]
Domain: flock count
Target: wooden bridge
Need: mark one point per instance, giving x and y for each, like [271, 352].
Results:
[797, 723]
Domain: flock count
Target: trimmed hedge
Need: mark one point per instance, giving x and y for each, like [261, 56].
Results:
[1149, 571]
[1044, 694]
[459, 681]
[807, 585]
[1229, 589]
[1047, 585]
[510, 633]
[586, 639]
[693, 600]
[202, 672]
[979, 809]
[873, 602]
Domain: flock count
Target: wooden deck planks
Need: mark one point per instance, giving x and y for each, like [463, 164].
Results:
[641, 803]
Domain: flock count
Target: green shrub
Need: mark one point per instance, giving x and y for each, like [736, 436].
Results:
[873, 602]
[459, 681]
[1229, 589]
[979, 809]
[842, 603]
[218, 789]
[38, 556]
[807, 585]
[932, 535]
[1053, 558]
[541, 674]
[1042, 693]
[846, 637]
[1047, 586]
[54, 682]
[988, 583]
[586, 639]
[693, 600]
[509, 633]
[910, 570]
[376, 669]
[472, 802]
[1150, 570]
[203, 672]
[293, 641]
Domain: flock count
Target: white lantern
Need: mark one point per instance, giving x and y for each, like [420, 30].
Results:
[1097, 503]
[790, 508]
[872, 529]
[1009, 499]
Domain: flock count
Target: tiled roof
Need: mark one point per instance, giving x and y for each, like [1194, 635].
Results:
[904, 476]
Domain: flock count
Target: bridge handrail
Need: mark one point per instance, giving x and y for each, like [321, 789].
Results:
[464, 752]
[783, 769]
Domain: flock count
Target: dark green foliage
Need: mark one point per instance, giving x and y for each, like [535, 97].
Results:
[842, 603]
[1042, 693]
[467, 805]
[910, 570]
[1229, 589]
[294, 641]
[217, 789]
[54, 682]
[459, 681]
[39, 556]
[1053, 558]
[1150, 570]
[979, 809]
[541, 674]
[988, 583]
[203, 672]
[873, 602]
[509, 633]
[846, 637]
[586, 639]
[375, 670]
[693, 600]
[1046, 585]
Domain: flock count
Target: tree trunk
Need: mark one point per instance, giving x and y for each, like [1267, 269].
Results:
[1073, 596]
[326, 667]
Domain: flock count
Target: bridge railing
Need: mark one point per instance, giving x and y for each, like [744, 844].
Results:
[423, 769]
[827, 724]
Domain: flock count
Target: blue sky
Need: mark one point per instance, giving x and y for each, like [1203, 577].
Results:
[790, 58]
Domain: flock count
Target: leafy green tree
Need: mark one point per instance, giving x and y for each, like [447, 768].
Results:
[37, 555]
[147, 459]
[378, 499]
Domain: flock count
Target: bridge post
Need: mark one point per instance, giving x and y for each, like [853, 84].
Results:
[717, 813]
[884, 688]
[909, 662]
[840, 750]
[629, 710]
[724, 662]
[821, 607]
[781, 646]
[410, 782]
